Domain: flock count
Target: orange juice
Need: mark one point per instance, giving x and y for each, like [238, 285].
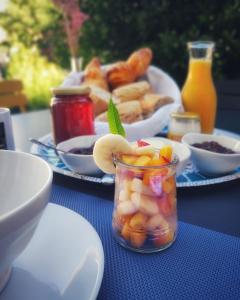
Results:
[198, 93]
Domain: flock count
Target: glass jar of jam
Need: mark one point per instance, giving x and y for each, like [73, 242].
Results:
[182, 123]
[72, 113]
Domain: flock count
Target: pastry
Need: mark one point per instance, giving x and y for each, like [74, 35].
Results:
[140, 60]
[129, 112]
[151, 102]
[133, 91]
[100, 98]
[119, 74]
[93, 75]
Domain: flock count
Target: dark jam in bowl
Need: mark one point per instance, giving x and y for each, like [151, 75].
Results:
[214, 147]
[82, 151]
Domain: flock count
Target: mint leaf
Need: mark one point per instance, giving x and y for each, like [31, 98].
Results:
[114, 122]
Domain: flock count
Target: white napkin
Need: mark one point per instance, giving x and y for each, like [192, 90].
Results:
[161, 83]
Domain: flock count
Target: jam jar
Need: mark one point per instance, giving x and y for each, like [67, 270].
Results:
[72, 113]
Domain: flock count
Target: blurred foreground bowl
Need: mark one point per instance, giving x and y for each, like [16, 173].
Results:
[25, 182]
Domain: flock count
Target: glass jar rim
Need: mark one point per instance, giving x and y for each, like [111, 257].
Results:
[201, 44]
[173, 163]
[70, 90]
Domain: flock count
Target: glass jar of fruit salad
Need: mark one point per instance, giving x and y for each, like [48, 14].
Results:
[145, 212]
[72, 113]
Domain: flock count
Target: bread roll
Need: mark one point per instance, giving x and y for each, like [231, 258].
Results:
[119, 74]
[100, 98]
[93, 75]
[129, 112]
[151, 102]
[133, 91]
[140, 60]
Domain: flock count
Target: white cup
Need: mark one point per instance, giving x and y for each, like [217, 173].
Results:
[6, 131]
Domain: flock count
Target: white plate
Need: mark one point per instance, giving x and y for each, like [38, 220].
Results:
[190, 176]
[64, 260]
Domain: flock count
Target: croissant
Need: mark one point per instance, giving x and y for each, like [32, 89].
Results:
[93, 75]
[140, 60]
[119, 74]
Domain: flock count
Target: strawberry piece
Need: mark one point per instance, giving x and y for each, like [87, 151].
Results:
[142, 143]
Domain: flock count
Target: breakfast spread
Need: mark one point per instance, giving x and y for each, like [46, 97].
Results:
[144, 217]
[214, 147]
[123, 83]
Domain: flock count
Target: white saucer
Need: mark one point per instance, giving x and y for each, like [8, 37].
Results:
[64, 260]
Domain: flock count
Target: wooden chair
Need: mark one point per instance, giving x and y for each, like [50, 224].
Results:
[11, 94]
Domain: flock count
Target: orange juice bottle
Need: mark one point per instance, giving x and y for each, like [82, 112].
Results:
[198, 93]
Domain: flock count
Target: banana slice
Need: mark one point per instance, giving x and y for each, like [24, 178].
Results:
[107, 146]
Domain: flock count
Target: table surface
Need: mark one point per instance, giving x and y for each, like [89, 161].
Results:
[214, 207]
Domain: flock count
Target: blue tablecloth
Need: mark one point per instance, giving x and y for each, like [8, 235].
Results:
[201, 264]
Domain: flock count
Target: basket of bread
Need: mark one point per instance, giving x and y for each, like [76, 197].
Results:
[144, 95]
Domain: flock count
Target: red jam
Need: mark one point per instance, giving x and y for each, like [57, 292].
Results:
[72, 113]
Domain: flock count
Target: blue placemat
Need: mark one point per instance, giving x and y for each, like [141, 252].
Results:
[201, 264]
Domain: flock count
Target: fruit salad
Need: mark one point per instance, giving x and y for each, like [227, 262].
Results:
[144, 216]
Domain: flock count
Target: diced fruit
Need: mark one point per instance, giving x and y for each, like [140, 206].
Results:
[136, 185]
[164, 239]
[126, 184]
[119, 220]
[166, 205]
[136, 199]
[148, 205]
[166, 152]
[148, 174]
[137, 239]
[138, 221]
[147, 191]
[142, 161]
[155, 162]
[126, 231]
[124, 195]
[168, 185]
[126, 208]
[157, 222]
[155, 183]
[146, 150]
[142, 143]
[129, 159]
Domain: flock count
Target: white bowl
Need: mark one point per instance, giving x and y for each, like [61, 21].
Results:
[25, 182]
[211, 163]
[182, 151]
[79, 163]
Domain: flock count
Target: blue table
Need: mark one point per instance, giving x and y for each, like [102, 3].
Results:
[201, 264]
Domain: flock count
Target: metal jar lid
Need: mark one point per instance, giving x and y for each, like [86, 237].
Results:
[71, 90]
[185, 115]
